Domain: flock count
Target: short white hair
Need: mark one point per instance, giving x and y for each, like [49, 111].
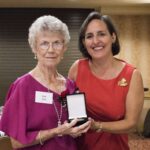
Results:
[47, 23]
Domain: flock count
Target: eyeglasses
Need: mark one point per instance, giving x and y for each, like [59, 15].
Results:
[57, 45]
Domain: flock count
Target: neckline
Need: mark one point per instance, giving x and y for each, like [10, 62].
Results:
[107, 79]
[48, 90]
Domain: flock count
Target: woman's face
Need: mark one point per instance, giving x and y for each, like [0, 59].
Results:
[98, 41]
[50, 48]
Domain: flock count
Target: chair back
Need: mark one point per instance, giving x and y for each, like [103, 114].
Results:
[5, 143]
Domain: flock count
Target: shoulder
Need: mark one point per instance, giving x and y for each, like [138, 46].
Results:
[136, 75]
[127, 67]
[130, 66]
[70, 81]
[74, 68]
[18, 86]
[79, 61]
[20, 83]
[133, 72]
[22, 80]
[71, 86]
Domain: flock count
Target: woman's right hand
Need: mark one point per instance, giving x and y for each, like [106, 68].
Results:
[71, 129]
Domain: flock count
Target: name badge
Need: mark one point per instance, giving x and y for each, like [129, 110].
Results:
[44, 97]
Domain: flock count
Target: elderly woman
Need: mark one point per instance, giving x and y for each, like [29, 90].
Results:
[33, 117]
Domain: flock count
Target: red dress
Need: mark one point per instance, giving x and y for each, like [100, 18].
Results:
[105, 101]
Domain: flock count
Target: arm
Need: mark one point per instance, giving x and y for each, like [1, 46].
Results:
[64, 129]
[45, 133]
[134, 104]
[73, 71]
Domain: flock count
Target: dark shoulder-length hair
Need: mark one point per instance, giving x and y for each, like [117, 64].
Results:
[111, 28]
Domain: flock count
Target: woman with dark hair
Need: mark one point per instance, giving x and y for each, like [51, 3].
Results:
[113, 101]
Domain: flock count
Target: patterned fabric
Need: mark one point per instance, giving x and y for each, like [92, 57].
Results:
[105, 101]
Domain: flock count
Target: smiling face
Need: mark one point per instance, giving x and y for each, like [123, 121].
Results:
[50, 48]
[98, 41]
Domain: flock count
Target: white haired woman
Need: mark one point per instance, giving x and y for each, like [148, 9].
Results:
[32, 100]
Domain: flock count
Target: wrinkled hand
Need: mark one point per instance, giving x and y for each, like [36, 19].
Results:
[71, 129]
[79, 130]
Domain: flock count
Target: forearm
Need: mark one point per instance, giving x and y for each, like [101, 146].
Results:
[41, 137]
[45, 135]
[117, 127]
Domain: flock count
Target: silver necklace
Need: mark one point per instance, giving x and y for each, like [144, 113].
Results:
[59, 115]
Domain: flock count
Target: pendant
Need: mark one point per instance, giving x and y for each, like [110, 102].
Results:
[59, 123]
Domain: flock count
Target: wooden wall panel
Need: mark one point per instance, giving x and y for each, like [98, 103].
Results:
[134, 32]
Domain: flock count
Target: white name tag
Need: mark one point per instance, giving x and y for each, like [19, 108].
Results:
[44, 97]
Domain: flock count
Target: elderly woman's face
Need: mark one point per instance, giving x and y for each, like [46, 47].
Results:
[50, 48]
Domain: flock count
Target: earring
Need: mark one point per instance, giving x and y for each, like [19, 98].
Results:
[35, 57]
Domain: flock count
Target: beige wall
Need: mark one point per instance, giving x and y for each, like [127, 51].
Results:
[147, 103]
[134, 34]
[134, 31]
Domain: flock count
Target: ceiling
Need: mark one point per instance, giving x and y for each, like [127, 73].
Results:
[72, 3]
[121, 7]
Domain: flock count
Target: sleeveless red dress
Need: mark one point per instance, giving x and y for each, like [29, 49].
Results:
[105, 101]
